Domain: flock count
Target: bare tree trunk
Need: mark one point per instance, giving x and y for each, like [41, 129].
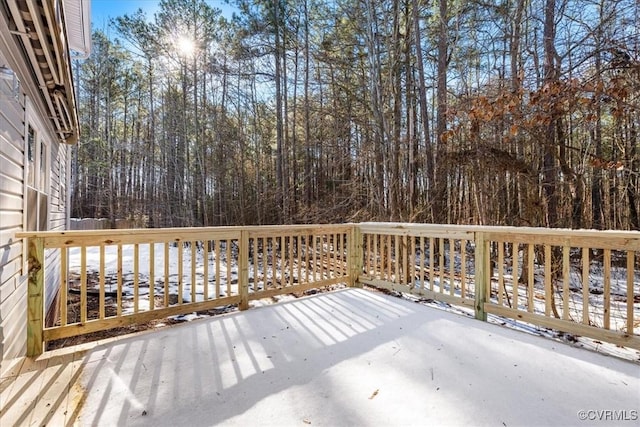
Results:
[394, 185]
[280, 155]
[549, 172]
[632, 178]
[424, 109]
[379, 204]
[439, 201]
[308, 182]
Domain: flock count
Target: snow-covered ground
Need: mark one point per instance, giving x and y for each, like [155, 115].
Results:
[187, 278]
[226, 278]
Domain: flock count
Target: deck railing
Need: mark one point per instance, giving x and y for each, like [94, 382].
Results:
[148, 274]
[581, 282]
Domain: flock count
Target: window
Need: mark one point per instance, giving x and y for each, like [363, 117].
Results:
[36, 177]
[37, 171]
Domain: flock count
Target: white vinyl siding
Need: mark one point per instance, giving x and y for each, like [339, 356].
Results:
[13, 284]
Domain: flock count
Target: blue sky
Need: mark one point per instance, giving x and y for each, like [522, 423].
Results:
[103, 10]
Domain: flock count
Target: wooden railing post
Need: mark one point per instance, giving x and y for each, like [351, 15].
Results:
[482, 280]
[355, 256]
[243, 267]
[35, 297]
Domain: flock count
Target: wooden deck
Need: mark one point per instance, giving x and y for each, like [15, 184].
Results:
[349, 357]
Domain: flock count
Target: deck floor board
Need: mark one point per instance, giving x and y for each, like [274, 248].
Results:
[350, 357]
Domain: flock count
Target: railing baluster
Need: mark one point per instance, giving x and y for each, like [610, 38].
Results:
[119, 290]
[291, 264]
[367, 242]
[383, 256]
[194, 254]
[274, 261]
[152, 275]
[530, 276]
[607, 289]
[166, 274]
[441, 272]
[452, 266]
[501, 289]
[306, 259]
[180, 270]
[463, 268]
[333, 254]
[389, 258]
[412, 262]
[229, 267]
[323, 266]
[397, 254]
[566, 278]
[64, 285]
[515, 256]
[101, 283]
[404, 259]
[256, 271]
[343, 263]
[243, 270]
[432, 263]
[341, 256]
[585, 285]
[421, 263]
[218, 250]
[322, 255]
[313, 257]
[299, 256]
[83, 284]
[374, 273]
[630, 294]
[548, 291]
[205, 270]
[338, 254]
[136, 278]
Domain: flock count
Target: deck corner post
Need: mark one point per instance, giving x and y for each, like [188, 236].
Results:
[243, 267]
[35, 298]
[355, 257]
[481, 275]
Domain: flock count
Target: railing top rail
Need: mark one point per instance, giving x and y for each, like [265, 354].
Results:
[142, 235]
[399, 227]
[146, 235]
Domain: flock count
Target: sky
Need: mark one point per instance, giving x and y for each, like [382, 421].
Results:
[103, 10]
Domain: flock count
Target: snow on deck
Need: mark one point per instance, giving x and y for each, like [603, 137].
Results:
[350, 357]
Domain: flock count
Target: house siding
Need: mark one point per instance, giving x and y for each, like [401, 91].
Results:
[13, 284]
[57, 222]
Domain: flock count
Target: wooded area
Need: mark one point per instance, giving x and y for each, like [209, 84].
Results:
[515, 112]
